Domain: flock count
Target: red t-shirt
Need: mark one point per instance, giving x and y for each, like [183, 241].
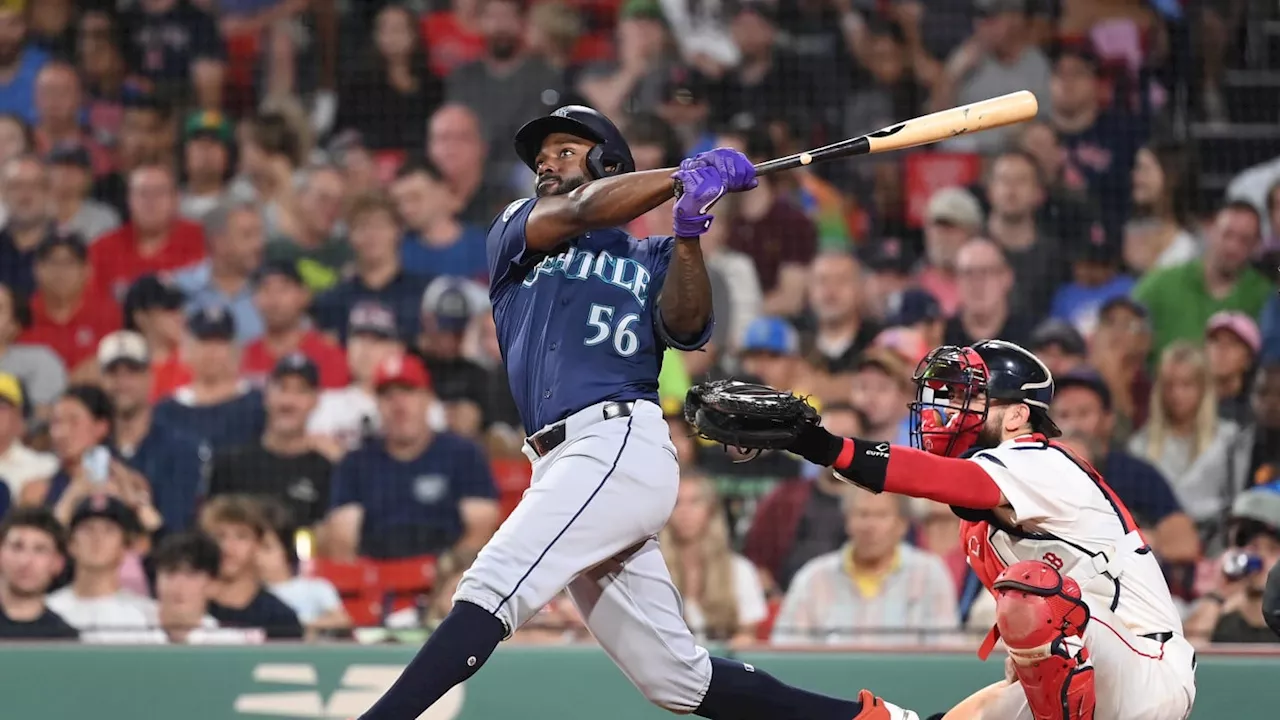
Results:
[167, 376]
[257, 361]
[117, 261]
[448, 43]
[77, 338]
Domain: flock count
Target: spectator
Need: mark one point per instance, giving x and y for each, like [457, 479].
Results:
[448, 306]
[452, 35]
[890, 85]
[153, 308]
[1232, 611]
[317, 246]
[686, 108]
[238, 597]
[1271, 600]
[1082, 407]
[271, 150]
[937, 531]
[736, 273]
[771, 352]
[40, 371]
[1000, 57]
[207, 146]
[176, 45]
[918, 310]
[552, 34]
[60, 108]
[1232, 343]
[217, 407]
[1059, 346]
[50, 27]
[314, 599]
[1164, 186]
[173, 462]
[414, 491]
[457, 146]
[1100, 144]
[840, 331]
[19, 464]
[882, 390]
[723, 598]
[1183, 297]
[235, 236]
[984, 280]
[1066, 204]
[154, 240]
[1096, 278]
[20, 63]
[65, 317]
[505, 87]
[379, 276]
[634, 81]
[889, 265]
[393, 77]
[350, 414]
[503, 415]
[283, 464]
[875, 585]
[187, 567]
[144, 133]
[701, 30]
[102, 530]
[32, 554]
[1260, 449]
[1118, 349]
[435, 242]
[70, 180]
[953, 217]
[801, 518]
[354, 163]
[1037, 256]
[15, 140]
[773, 232]
[100, 61]
[25, 186]
[1185, 439]
[281, 298]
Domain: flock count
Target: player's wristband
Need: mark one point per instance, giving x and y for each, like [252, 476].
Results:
[865, 463]
[817, 446]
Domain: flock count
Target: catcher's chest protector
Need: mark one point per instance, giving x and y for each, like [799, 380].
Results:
[986, 564]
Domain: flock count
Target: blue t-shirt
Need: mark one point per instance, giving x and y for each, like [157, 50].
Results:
[411, 508]
[1141, 487]
[403, 296]
[18, 96]
[1079, 305]
[1103, 155]
[464, 258]
[239, 421]
[580, 326]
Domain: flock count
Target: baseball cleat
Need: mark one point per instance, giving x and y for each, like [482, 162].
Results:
[874, 708]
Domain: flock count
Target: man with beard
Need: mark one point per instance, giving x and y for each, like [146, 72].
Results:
[32, 553]
[584, 313]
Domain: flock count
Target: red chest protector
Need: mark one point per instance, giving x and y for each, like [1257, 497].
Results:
[986, 564]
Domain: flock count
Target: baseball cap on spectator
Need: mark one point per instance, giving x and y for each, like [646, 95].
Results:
[643, 10]
[1098, 248]
[1089, 379]
[372, 318]
[297, 365]
[72, 154]
[279, 268]
[403, 371]
[107, 507]
[1260, 505]
[771, 335]
[123, 346]
[684, 86]
[1057, 332]
[452, 312]
[987, 8]
[954, 206]
[913, 306]
[886, 360]
[208, 124]
[1081, 50]
[343, 143]
[11, 390]
[150, 292]
[212, 323]
[887, 255]
[1238, 324]
[907, 342]
[69, 240]
[1123, 301]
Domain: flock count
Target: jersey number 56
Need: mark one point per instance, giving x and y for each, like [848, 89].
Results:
[625, 342]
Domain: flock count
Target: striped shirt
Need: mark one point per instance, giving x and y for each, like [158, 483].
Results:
[915, 603]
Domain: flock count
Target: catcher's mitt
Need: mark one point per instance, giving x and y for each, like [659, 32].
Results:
[747, 415]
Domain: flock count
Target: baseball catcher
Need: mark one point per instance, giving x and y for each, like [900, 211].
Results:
[1081, 603]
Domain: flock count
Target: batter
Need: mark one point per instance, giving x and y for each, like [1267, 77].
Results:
[584, 313]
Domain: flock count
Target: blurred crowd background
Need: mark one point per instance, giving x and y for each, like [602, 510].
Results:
[249, 382]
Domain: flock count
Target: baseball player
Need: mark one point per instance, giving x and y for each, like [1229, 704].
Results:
[584, 312]
[1081, 603]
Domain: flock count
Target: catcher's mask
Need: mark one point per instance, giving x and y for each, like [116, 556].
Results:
[958, 385]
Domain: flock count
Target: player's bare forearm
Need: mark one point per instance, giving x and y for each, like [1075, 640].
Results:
[685, 302]
[604, 203]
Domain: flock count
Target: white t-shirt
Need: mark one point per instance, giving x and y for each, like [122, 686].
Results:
[120, 611]
[1182, 249]
[748, 592]
[344, 413]
[20, 465]
[1050, 493]
[310, 597]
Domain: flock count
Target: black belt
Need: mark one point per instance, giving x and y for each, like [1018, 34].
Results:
[544, 441]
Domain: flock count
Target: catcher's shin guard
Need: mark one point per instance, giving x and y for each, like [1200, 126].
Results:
[1037, 610]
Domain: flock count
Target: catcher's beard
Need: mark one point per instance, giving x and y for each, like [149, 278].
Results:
[992, 432]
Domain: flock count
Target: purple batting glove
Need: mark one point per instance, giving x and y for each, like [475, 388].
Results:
[703, 186]
[739, 174]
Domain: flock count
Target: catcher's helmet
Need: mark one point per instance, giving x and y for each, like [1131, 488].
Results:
[950, 378]
[610, 156]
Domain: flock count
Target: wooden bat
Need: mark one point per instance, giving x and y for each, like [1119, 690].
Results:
[975, 117]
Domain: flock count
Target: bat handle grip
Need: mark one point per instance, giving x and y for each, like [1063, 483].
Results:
[678, 190]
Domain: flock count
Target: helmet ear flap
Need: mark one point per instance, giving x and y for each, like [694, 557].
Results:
[602, 163]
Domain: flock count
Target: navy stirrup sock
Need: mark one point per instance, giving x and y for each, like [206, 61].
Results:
[453, 653]
[742, 692]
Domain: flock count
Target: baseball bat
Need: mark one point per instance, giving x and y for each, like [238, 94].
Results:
[996, 112]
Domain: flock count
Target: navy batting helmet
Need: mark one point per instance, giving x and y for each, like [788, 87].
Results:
[610, 156]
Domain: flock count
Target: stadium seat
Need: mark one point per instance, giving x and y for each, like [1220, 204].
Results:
[401, 582]
[765, 628]
[356, 583]
[512, 476]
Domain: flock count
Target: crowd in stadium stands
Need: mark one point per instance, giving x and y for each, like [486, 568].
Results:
[250, 387]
